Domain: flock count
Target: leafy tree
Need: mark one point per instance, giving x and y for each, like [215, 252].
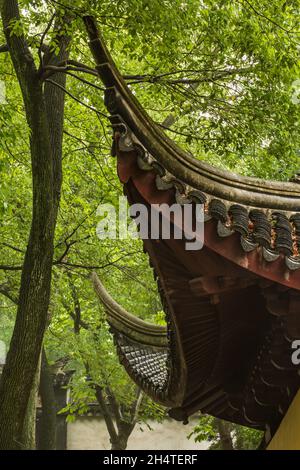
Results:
[223, 435]
[41, 105]
[98, 375]
[218, 75]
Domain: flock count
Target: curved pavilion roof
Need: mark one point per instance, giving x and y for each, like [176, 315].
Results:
[232, 308]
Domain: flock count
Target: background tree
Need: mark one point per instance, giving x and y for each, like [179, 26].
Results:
[223, 435]
[98, 376]
[45, 137]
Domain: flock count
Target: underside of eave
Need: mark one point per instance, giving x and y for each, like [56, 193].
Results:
[265, 243]
[144, 349]
[250, 259]
[239, 372]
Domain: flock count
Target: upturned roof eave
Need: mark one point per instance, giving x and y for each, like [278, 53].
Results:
[125, 323]
[123, 105]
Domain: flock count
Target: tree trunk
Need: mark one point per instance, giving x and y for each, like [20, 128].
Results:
[120, 444]
[21, 365]
[225, 435]
[29, 426]
[47, 426]
[23, 355]
[124, 431]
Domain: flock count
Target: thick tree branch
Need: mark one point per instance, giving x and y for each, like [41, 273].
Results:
[6, 291]
[64, 67]
[106, 414]
[15, 248]
[40, 49]
[55, 100]
[5, 267]
[114, 406]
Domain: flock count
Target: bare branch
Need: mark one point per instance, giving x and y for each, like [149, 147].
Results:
[72, 10]
[77, 99]
[184, 134]
[15, 248]
[6, 291]
[42, 39]
[89, 267]
[204, 75]
[68, 246]
[258, 13]
[84, 67]
[5, 267]
[83, 80]
[78, 225]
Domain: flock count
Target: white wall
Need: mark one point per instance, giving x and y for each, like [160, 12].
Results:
[89, 433]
